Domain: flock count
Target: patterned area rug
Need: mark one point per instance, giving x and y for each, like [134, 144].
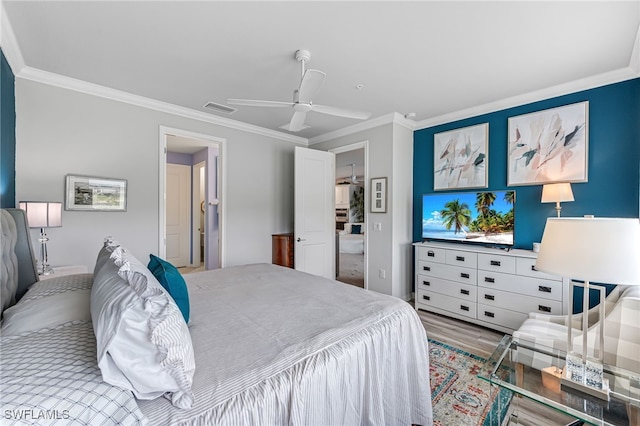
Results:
[459, 397]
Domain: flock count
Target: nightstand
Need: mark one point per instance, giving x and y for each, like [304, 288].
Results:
[60, 271]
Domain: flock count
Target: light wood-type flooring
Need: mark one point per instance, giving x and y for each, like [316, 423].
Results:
[482, 341]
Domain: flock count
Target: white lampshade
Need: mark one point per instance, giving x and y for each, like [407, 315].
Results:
[43, 214]
[557, 192]
[605, 250]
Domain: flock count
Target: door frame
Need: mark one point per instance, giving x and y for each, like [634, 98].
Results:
[195, 216]
[352, 147]
[221, 143]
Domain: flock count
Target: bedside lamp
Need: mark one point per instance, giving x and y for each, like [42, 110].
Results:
[43, 214]
[604, 250]
[557, 193]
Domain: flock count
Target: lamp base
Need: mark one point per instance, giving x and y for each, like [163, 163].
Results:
[603, 393]
[46, 270]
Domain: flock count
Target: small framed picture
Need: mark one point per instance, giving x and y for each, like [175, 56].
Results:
[379, 195]
[88, 193]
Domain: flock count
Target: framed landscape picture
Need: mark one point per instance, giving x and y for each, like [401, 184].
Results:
[460, 158]
[549, 146]
[95, 193]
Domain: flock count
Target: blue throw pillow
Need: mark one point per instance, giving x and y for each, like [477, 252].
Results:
[355, 229]
[172, 281]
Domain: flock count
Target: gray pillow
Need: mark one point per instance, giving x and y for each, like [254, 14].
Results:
[9, 272]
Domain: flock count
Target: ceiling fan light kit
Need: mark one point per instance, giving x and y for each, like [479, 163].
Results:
[310, 84]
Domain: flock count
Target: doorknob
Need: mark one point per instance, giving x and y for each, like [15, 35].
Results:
[300, 239]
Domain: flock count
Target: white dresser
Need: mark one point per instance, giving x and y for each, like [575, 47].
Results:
[487, 286]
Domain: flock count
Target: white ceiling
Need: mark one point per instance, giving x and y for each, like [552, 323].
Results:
[424, 57]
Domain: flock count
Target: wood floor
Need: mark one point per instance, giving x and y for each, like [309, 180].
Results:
[482, 341]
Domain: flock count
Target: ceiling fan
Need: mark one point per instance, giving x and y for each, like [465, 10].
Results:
[310, 84]
[353, 178]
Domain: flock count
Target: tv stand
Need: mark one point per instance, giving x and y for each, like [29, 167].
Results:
[485, 285]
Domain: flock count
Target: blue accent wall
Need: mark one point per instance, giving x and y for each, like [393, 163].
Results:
[7, 135]
[613, 187]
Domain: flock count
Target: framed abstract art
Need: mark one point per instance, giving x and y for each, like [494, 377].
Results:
[461, 158]
[549, 146]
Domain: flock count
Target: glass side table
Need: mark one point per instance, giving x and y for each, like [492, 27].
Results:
[533, 371]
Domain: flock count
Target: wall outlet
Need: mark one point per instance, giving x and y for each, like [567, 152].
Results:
[382, 273]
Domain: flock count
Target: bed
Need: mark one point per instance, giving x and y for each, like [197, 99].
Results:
[263, 345]
[352, 238]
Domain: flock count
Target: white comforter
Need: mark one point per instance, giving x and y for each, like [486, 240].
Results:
[277, 346]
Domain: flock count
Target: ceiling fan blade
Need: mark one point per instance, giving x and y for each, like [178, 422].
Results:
[256, 103]
[341, 112]
[297, 121]
[310, 85]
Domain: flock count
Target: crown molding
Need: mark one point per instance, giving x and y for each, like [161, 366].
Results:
[393, 117]
[58, 80]
[599, 80]
[9, 44]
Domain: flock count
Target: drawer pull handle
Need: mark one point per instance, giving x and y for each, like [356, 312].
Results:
[463, 291]
[495, 263]
[489, 314]
[542, 308]
[425, 297]
[464, 308]
[489, 280]
[489, 297]
[426, 282]
[544, 289]
[431, 253]
[426, 268]
[464, 275]
[533, 268]
[460, 258]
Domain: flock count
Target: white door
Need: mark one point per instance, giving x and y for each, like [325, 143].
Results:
[314, 217]
[178, 224]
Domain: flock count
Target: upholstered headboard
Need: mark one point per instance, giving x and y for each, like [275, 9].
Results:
[26, 267]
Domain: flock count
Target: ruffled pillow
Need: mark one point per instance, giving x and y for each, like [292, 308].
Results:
[142, 339]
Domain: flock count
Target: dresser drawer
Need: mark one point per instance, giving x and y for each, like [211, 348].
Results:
[462, 258]
[447, 272]
[537, 287]
[503, 317]
[527, 266]
[496, 262]
[518, 302]
[449, 288]
[448, 303]
[431, 254]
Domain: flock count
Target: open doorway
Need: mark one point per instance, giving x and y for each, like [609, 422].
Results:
[191, 200]
[351, 215]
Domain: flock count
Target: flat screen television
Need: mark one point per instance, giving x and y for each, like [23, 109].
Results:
[485, 217]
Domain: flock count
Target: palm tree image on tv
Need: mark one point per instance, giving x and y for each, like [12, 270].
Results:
[449, 216]
[456, 215]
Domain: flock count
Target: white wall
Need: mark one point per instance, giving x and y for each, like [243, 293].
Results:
[402, 207]
[61, 131]
[391, 156]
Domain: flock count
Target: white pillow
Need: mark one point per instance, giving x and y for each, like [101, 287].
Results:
[143, 342]
[50, 303]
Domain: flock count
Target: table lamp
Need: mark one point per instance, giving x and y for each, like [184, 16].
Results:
[557, 193]
[604, 250]
[43, 214]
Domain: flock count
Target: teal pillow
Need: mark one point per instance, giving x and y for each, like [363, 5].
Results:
[172, 281]
[356, 229]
